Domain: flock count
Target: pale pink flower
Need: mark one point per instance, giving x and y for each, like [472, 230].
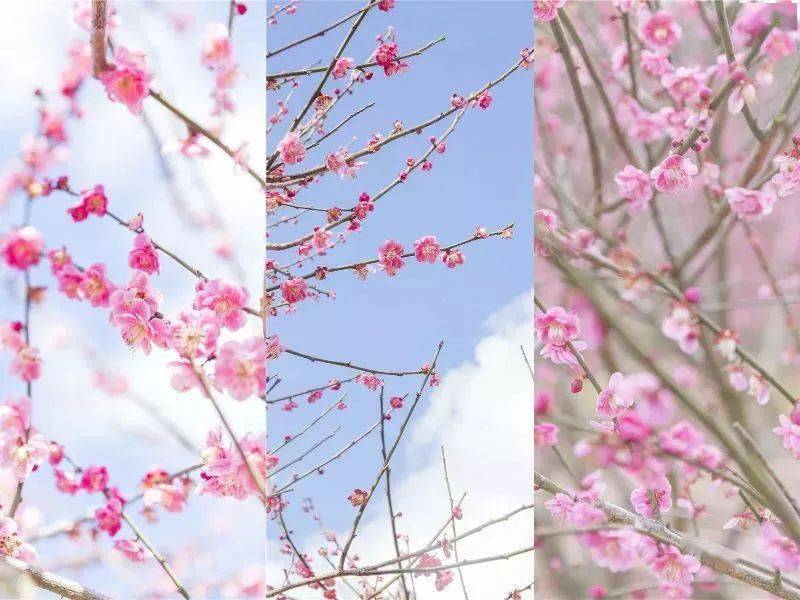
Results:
[131, 549]
[216, 51]
[194, 334]
[790, 432]
[453, 258]
[139, 328]
[22, 248]
[683, 439]
[183, 377]
[143, 256]
[241, 368]
[680, 325]
[341, 67]
[683, 83]
[27, 456]
[137, 288]
[661, 31]
[781, 552]
[427, 249]
[787, 179]
[545, 434]
[390, 257]
[634, 186]
[751, 205]
[291, 149]
[547, 10]
[674, 568]
[225, 299]
[613, 400]
[674, 173]
[10, 542]
[128, 81]
[560, 506]
[642, 503]
[294, 290]
[616, 550]
[26, 363]
[95, 286]
[778, 44]
[556, 328]
[758, 388]
[656, 62]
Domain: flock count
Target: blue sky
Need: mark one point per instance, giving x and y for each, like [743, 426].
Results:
[484, 178]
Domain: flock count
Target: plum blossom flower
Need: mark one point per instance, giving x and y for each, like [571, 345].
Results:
[291, 149]
[109, 517]
[556, 329]
[294, 290]
[341, 67]
[546, 10]
[758, 388]
[674, 173]
[674, 568]
[683, 83]
[194, 334]
[634, 186]
[225, 299]
[143, 256]
[94, 479]
[241, 368]
[615, 550]
[26, 363]
[680, 325]
[390, 257]
[137, 288]
[427, 249]
[10, 542]
[787, 179]
[216, 51]
[781, 552]
[642, 502]
[613, 400]
[545, 434]
[790, 432]
[22, 248]
[683, 439]
[95, 286]
[131, 549]
[139, 328]
[27, 456]
[751, 205]
[453, 258]
[661, 31]
[225, 474]
[128, 81]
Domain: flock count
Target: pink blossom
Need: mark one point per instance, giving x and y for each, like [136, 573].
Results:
[427, 249]
[194, 334]
[95, 200]
[560, 506]
[790, 432]
[661, 31]
[109, 517]
[674, 568]
[781, 552]
[241, 368]
[143, 256]
[95, 286]
[680, 325]
[137, 288]
[225, 299]
[453, 258]
[386, 57]
[674, 173]
[556, 328]
[634, 186]
[128, 81]
[341, 67]
[751, 205]
[27, 456]
[22, 248]
[656, 63]
[390, 257]
[758, 388]
[683, 439]
[224, 473]
[10, 542]
[547, 10]
[131, 549]
[294, 290]
[94, 479]
[484, 100]
[291, 149]
[545, 434]
[443, 579]
[26, 363]
[216, 50]
[642, 503]
[183, 377]
[615, 550]
[778, 44]
[139, 328]
[683, 83]
[613, 400]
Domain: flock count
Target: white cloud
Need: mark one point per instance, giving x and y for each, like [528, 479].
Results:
[483, 416]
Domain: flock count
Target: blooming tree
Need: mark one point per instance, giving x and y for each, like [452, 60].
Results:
[666, 406]
[325, 197]
[203, 331]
